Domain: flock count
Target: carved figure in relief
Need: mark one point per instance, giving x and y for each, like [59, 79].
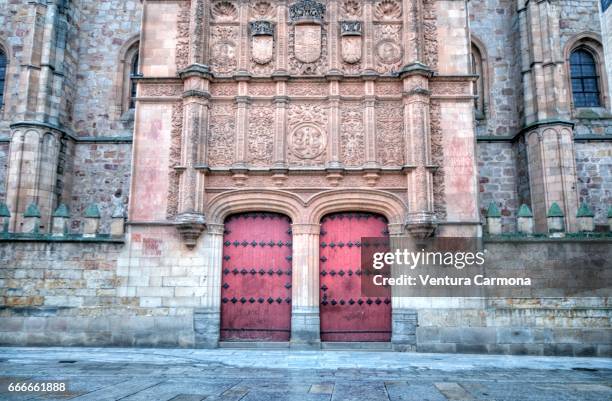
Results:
[307, 141]
[262, 10]
[351, 9]
[389, 52]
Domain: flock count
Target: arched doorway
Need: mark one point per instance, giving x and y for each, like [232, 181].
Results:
[256, 278]
[346, 314]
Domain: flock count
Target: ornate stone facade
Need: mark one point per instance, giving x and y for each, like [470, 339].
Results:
[301, 107]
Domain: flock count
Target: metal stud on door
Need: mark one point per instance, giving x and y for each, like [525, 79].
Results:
[345, 314]
[256, 278]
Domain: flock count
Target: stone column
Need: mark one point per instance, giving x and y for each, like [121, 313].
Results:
[36, 133]
[190, 219]
[552, 173]
[416, 97]
[207, 320]
[32, 172]
[305, 323]
[548, 132]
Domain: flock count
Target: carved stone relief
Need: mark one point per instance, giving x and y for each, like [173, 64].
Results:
[262, 10]
[261, 134]
[307, 38]
[389, 89]
[390, 133]
[160, 90]
[221, 135]
[262, 89]
[262, 47]
[307, 137]
[430, 34]
[437, 158]
[388, 10]
[307, 89]
[352, 134]
[351, 89]
[224, 89]
[388, 49]
[223, 48]
[224, 11]
[174, 159]
[182, 40]
[351, 9]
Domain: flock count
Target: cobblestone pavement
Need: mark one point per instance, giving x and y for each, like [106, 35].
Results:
[265, 375]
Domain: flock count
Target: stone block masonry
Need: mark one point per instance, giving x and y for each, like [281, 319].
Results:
[151, 291]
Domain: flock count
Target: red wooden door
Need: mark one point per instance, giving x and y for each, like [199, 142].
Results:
[256, 279]
[346, 315]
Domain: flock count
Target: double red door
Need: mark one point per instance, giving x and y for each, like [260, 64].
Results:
[256, 278]
[346, 314]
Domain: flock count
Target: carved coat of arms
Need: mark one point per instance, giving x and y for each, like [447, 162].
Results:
[307, 141]
[351, 41]
[307, 15]
[262, 41]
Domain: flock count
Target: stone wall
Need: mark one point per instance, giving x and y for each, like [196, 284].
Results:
[151, 291]
[534, 326]
[104, 30]
[492, 24]
[101, 176]
[497, 178]
[594, 170]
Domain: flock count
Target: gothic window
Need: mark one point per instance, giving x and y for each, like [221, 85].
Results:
[3, 65]
[478, 68]
[127, 73]
[134, 73]
[585, 79]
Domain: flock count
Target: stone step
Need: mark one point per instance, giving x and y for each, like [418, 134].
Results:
[254, 344]
[356, 346]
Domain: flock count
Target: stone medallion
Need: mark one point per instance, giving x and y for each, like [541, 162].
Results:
[388, 51]
[307, 141]
[262, 41]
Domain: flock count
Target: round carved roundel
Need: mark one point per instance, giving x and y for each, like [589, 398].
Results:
[307, 141]
[388, 51]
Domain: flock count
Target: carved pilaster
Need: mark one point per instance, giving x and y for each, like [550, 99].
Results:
[242, 112]
[370, 124]
[416, 99]
[280, 158]
[333, 156]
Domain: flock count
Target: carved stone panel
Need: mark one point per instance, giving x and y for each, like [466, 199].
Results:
[307, 37]
[352, 134]
[307, 136]
[221, 135]
[390, 133]
[388, 49]
[224, 48]
[261, 134]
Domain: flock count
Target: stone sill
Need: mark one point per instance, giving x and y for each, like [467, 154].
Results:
[544, 238]
[21, 237]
